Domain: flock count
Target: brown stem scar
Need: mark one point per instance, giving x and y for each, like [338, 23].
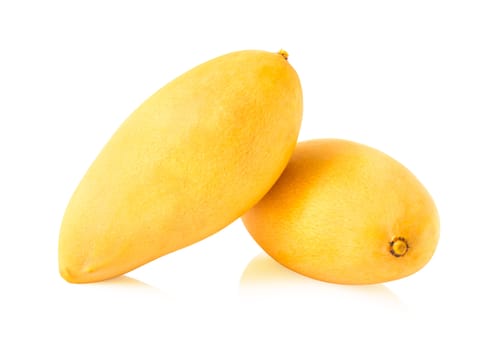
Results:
[398, 246]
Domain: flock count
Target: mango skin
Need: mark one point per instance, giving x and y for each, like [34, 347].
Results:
[336, 210]
[189, 161]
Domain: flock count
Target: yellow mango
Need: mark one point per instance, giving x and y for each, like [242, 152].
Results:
[189, 161]
[343, 212]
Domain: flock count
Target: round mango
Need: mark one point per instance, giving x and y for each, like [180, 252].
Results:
[346, 213]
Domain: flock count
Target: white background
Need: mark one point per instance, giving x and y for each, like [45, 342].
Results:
[420, 80]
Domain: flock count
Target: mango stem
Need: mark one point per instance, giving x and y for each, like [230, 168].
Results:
[284, 54]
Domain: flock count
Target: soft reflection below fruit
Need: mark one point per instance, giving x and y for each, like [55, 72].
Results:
[264, 277]
[126, 281]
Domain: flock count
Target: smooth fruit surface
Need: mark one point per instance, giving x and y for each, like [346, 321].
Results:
[346, 213]
[190, 160]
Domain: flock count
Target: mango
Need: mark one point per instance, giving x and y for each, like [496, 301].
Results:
[193, 158]
[343, 212]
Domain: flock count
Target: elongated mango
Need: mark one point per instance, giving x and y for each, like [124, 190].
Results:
[190, 160]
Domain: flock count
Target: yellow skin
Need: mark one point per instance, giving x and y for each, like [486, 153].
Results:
[346, 213]
[190, 160]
